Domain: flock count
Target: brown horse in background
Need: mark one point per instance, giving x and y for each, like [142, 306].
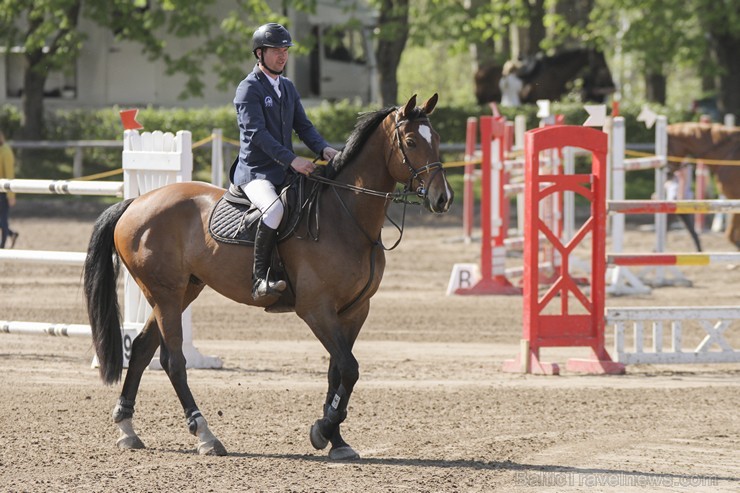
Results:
[711, 141]
[162, 238]
[548, 77]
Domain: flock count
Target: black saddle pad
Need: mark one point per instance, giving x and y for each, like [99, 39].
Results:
[234, 219]
[233, 223]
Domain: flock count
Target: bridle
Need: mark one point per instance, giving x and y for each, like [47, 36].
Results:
[398, 196]
[432, 168]
[414, 173]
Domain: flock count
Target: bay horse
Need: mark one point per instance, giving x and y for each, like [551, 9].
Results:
[711, 141]
[547, 77]
[162, 238]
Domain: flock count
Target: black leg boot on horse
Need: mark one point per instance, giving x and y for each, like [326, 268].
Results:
[264, 244]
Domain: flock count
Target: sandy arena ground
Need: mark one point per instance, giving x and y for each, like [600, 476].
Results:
[432, 410]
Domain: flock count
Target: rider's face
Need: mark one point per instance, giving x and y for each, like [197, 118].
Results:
[275, 58]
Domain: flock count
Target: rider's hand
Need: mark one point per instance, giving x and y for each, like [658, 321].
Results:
[303, 165]
[329, 152]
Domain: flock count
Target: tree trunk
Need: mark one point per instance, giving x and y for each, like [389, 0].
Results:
[727, 48]
[536, 31]
[708, 72]
[484, 51]
[394, 27]
[60, 49]
[33, 103]
[655, 87]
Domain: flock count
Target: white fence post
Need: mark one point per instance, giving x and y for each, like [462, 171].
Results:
[620, 280]
[152, 160]
[217, 158]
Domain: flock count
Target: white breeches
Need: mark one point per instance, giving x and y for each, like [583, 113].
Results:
[262, 194]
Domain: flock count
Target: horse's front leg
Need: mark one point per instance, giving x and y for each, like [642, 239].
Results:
[340, 450]
[342, 376]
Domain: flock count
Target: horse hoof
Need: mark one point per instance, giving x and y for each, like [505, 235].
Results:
[212, 448]
[343, 453]
[318, 440]
[130, 443]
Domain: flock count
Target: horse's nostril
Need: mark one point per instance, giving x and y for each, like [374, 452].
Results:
[443, 203]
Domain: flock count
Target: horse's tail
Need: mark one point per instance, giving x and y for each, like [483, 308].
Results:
[100, 274]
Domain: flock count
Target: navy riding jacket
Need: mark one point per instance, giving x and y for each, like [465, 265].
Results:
[266, 123]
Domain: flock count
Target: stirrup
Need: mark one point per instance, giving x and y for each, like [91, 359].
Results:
[264, 287]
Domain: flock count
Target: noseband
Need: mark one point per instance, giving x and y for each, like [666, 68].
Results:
[432, 168]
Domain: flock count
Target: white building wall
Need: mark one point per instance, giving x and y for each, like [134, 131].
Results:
[110, 72]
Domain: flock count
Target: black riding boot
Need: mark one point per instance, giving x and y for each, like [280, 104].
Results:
[264, 243]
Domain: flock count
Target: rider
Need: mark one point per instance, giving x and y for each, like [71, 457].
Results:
[268, 110]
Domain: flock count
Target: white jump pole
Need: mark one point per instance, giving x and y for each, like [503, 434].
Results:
[62, 187]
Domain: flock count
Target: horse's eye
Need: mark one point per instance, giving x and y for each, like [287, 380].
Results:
[410, 143]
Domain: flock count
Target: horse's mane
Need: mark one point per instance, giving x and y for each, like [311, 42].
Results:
[364, 128]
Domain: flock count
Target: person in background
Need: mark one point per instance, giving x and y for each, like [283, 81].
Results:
[510, 85]
[268, 111]
[678, 186]
[7, 200]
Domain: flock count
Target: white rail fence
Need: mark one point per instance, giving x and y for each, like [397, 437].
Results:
[150, 160]
[640, 324]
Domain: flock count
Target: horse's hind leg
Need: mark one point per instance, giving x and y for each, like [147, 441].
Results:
[169, 316]
[733, 229]
[688, 221]
[142, 350]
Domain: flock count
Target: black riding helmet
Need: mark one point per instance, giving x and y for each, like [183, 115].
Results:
[271, 35]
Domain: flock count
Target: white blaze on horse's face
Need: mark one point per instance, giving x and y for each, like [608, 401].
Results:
[426, 132]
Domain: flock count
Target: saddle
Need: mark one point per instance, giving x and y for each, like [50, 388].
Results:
[234, 219]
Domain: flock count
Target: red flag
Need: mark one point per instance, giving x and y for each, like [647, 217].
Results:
[128, 118]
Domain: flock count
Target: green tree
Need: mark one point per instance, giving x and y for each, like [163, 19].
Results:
[653, 32]
[46, 31]
[721, 22]
[662, 34]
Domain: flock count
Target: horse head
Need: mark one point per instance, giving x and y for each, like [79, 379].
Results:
[419, 165]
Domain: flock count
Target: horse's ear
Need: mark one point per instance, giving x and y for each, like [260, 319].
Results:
[408, 108]
[430, 104]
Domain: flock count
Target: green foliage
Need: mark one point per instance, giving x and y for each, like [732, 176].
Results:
[335, 121]
[10, 120]
[430, 69]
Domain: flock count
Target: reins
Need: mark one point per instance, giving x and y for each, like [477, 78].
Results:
[397, 196]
